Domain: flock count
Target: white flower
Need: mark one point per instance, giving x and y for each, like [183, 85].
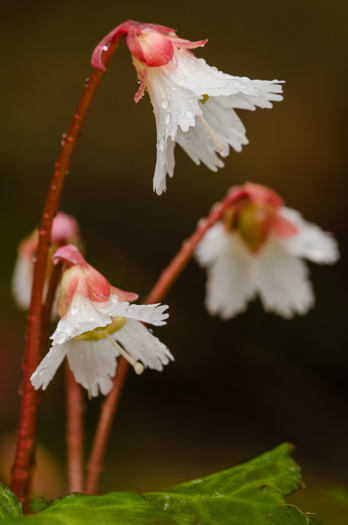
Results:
[65, 229]
[97, 327]
[193, 103]
[274, 270]
[194, 106]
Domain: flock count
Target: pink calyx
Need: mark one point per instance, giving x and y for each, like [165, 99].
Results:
[80, 277]
[151, 44]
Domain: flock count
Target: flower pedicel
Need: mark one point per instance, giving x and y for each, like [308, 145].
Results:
[193, 102]
[257, 249]
[98, 325]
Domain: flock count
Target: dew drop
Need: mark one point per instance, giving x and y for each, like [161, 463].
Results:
[87, 81]
[63, 139]
[164, 103]
[168, 118]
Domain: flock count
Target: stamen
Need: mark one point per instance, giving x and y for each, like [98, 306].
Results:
[138, 367]
[218, 146]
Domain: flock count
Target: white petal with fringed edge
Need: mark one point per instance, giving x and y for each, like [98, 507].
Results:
[236, 275]
[230, 281]
[48, 367]
[177, 92]
[143, 346]
[281, 279]
[93, 364]
[147, 313]
[311, 242]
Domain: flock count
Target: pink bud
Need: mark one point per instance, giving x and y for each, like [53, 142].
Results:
[150, 47]
[65, 228]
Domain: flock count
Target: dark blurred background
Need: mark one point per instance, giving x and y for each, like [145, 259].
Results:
[236, 388]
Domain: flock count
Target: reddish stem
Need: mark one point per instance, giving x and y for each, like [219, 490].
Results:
[109, 407]
[48, 305]
[25, 452]
[163, 284]
[74, 432]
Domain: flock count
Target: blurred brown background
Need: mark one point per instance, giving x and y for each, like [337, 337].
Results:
[238, 387]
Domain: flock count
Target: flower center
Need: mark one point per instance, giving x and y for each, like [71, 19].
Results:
[105, 332]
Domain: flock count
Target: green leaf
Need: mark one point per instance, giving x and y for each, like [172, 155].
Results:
[248, 494]
[290, 515]
[9, 504]
[121, 508]
[242, 495]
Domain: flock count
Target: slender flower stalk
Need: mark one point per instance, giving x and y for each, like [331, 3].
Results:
[74, 432]
[109, 407]
[23, 468]
[161, 287]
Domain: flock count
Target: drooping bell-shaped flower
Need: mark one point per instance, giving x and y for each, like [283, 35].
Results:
[194, 103]
[97, 325]
[257, 249]
[65, 230]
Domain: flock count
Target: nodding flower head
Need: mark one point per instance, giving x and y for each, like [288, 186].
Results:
[98, 325]
[257, 249]
[193, 103]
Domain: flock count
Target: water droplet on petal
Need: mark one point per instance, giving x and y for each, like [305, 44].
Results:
[164, 103]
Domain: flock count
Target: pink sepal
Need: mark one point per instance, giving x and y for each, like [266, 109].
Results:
[187, 44]
[262, 194]
[283, 227]
[123, 295]
[152, 48]
[70, 255]
[154, 55]
[140, 93]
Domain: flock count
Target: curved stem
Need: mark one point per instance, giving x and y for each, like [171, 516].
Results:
[161, 287]
[25, 452]
[109, 407]
[74, 432]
